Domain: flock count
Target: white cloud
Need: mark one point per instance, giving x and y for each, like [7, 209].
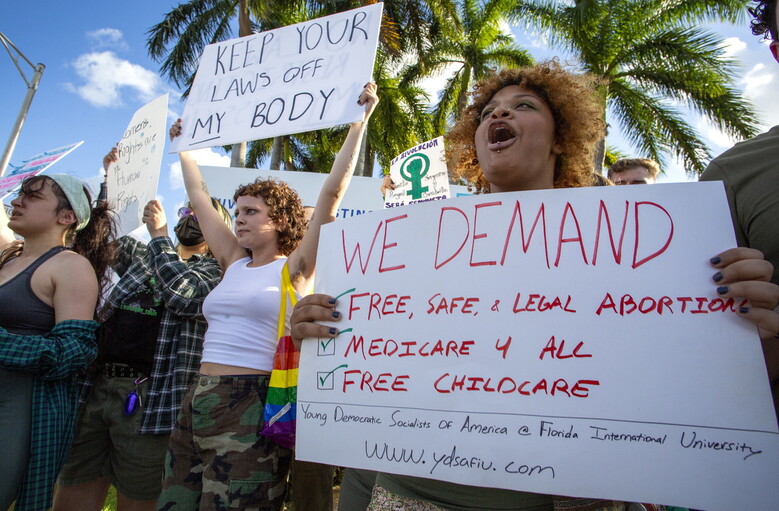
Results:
[206, 156]
[105, 74]
[760, 88]
[713, 135]
[107, 38]
[733, 46]
[757, 79]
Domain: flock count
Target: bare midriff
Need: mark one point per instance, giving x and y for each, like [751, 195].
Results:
[214, 369]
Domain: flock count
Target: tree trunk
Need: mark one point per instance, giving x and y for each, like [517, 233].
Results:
[275, 153]
[600, 154]
[360, 167]
[238, 155]
[238, 152]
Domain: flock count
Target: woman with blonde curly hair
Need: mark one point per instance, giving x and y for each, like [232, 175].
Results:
[533, 128]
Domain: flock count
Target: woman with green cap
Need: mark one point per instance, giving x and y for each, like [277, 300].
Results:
[50, 281]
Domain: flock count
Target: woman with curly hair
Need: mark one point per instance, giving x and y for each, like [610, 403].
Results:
[49, 287]
[532, 128]
[216, 458]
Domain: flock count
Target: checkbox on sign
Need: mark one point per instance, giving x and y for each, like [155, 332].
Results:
[325, 380]
[325, 347]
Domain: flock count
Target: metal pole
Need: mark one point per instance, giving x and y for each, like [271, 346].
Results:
[32, 86]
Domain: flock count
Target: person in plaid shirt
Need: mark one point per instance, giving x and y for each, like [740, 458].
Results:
[149, 349]
[48, 295]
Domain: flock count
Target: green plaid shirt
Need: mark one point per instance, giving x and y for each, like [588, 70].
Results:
[54, 358]
[182, 286]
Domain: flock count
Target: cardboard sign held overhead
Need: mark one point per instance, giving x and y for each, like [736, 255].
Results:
[293, 79]
[132, 180]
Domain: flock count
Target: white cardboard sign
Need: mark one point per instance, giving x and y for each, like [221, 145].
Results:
[566, 342]
[293, 79]
[419, 175]
[132, 179]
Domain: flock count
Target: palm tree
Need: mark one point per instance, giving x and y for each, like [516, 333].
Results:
[471, 44]
[653, 59]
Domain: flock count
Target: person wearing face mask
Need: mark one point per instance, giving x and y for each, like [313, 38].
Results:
[149, 349]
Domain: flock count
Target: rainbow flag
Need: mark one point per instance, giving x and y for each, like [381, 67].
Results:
[280, 411]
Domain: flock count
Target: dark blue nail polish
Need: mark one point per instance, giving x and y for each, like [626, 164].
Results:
[336, 314]
[333, 331]
[331, 301]
[715, 260]
[722, 290]
[717, 277]
[743, 310]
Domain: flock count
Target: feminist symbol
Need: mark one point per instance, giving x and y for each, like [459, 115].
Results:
[413, 170]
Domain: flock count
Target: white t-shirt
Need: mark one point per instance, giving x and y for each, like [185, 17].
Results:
[242, 314]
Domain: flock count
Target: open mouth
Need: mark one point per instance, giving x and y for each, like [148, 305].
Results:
[500, 135]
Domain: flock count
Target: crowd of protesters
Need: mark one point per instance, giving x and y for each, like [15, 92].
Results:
[153, 381]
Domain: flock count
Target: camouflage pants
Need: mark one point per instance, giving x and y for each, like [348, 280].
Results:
[217, 460]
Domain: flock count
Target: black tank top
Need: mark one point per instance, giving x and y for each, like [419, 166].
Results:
[21, 312]
[129, 334]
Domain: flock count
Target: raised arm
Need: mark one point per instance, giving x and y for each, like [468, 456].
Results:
[220, 238]
[302, 261]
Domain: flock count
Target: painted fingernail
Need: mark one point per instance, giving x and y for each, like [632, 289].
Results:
[743, 310]
[336, 314]
[331, 301]
[717, 276]
[715, 260]
[333, 331]
[722, 290]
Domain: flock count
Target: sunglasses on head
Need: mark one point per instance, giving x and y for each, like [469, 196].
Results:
[186, 211]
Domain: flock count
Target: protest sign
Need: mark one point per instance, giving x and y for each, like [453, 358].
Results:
[33, 167]
[362, 196]
[297, 78]
[419, 175]
[132, 179]
[564, 342]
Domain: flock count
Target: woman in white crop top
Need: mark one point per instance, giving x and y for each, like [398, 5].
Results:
[216, 454]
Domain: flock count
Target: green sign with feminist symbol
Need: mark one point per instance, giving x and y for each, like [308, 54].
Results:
[413, 170]
[419, 174]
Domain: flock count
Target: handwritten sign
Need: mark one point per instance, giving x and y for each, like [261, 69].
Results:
[132, 179]
[362, 196]
[419, 175]
[297, 78]
[33, 167]
[565, 342]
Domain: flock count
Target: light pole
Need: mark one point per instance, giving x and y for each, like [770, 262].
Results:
[32, 86]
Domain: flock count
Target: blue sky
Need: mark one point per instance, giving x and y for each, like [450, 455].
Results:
[98, 73]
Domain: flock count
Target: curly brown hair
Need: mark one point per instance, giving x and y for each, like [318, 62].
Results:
[577, 113]
[764, 19]
[284, 208]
